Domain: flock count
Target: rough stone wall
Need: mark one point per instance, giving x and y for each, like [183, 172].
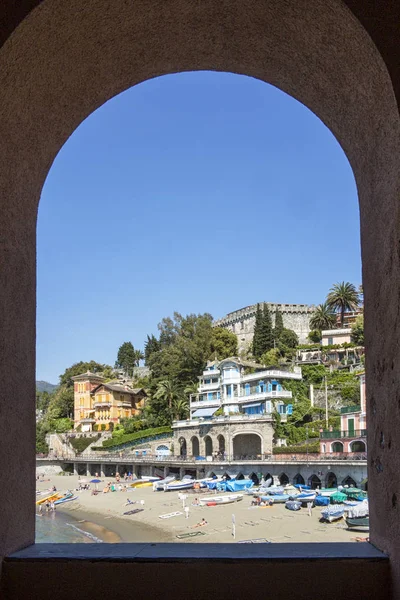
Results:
[241, 322]
[228, 430]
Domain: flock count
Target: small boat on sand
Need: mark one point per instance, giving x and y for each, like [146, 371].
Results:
[178, 484]
[68, 497]
[216, 500]
[333, 512]
[51, 498]
[158, 486]
[293, 505]
[276, 498]
[361, 523]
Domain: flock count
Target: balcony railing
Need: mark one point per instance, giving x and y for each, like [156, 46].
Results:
[205, 403]
[333, 435]
[260, 396]
[271, 374]
[208, 386]
[212, 374]
[350, 409]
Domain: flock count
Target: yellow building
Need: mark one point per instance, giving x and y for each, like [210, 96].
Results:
[98, 404]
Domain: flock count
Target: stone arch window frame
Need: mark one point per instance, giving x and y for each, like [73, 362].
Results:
[363, 441]
[337, 442]
[23, 385]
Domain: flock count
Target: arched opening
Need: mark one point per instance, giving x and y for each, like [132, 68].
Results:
[298, 479]
[349, 481]
[80, 96]
[283, 479]
[221, 445]
[268, 477]
[246, 446]
[314, 482]
[331, 480]
[195, 446]
[240, 476]
[182, 447]
[357, 446]
[337, 447]
[254, 477]
[208, 444]
[211, 474]
[226, 476]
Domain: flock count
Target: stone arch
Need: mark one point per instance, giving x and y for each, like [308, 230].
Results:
[283, 479]
[247, 445]
[208, 445]
[221, 444]
[182, 446]
[268, 476]
[349, 481]
[314, 482]
[240, 476]
[211, 474]
[195, 445]
[337, 446]
[226, 476]
[358, 446]
[331, 480]
[309, 64]
[299, 479]
[254, 477]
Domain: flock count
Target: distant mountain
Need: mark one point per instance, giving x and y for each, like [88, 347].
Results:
[45, 386]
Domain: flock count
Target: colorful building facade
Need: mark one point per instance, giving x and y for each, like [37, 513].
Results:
[99, 405]
[352, 437]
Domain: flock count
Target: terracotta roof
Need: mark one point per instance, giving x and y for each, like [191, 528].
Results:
[87, 375]
[121, 389]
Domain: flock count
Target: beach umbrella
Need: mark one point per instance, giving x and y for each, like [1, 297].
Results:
[95, 481]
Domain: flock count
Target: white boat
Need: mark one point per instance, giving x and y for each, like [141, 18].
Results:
[178, 484]
[215, 500]
[159, 485]
[306, 497]
[333, 512]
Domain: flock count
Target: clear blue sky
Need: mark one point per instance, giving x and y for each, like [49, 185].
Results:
[196, 192]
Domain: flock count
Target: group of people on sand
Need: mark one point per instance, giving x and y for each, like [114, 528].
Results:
[111, 487]
[258, 501]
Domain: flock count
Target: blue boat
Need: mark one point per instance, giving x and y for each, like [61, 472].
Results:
[321, 501]
[333, 512]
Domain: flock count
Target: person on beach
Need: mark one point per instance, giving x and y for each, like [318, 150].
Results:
[47, 506]
[196, 502]
[52, 506]
[202, 523]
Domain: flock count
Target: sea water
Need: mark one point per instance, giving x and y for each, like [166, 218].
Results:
[58, 528]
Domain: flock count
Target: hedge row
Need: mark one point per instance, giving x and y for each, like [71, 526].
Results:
[133, 437]
[311, 449]
[81, 443]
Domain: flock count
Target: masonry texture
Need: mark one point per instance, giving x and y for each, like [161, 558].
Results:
[59, 61]
[241, 322]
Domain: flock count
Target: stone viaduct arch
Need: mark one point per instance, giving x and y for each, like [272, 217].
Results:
[310, 49]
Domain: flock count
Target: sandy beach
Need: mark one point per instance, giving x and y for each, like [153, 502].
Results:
[102, 516]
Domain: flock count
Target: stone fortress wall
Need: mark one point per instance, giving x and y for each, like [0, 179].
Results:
[241, 322]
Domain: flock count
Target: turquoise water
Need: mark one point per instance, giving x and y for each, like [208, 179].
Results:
[58, 528]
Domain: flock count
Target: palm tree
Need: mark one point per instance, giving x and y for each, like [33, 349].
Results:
[180, 408]
[168, 390]
[323, 317]
[138, 356]
[343, 297]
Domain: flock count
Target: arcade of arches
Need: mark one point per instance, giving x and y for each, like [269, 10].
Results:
[59, 61]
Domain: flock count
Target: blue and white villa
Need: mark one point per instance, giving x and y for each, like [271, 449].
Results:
[231, 413]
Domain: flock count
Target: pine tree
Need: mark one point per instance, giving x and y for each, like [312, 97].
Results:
[256, 336]
[266, 337]
[278, 325]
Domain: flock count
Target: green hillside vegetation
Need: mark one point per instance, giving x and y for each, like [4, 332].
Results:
[132, 439]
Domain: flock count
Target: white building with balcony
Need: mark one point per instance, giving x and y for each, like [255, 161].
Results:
[238, 386]
[231, 414]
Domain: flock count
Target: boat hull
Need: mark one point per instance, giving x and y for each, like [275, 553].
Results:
[358, 523]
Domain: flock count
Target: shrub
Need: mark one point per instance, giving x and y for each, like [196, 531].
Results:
[81, 443]
[312, 448]
[132, 438]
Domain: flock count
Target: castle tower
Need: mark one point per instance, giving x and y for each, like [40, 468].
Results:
[83, 403]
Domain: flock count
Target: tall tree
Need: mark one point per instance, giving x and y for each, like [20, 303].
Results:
[79, 368]
[266, 337]
[256, 335]
[126, 358]
[278, 325]
[138, 357]
[151, 345]
[323, 317]
[180, 408]
[343, 297]
[168, 391]
[223, 343]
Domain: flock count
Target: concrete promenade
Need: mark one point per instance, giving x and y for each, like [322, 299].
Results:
[315, 470]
